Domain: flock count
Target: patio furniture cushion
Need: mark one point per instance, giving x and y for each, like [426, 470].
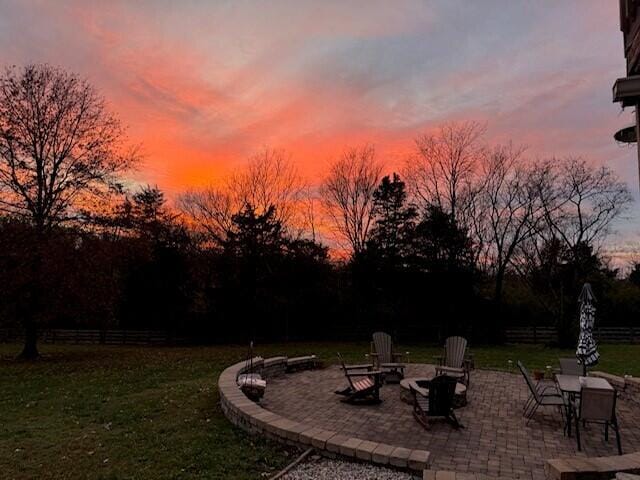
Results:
[363, 384]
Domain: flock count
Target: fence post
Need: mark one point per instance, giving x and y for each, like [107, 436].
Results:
[535, 335]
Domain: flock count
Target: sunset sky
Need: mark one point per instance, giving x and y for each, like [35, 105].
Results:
[202, 85]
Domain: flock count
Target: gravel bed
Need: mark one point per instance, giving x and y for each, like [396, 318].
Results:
[317, 468]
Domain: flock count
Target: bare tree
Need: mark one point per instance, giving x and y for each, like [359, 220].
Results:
[442, 171]
[310, 201]
[347, 195]
[211, 210]
[59, 146]
[510, 208]
[269, 181]
[581, 201]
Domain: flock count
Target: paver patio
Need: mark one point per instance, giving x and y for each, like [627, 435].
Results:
[495, 439]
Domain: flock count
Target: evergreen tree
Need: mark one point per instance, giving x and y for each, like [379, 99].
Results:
[440, 245]
[394, 221]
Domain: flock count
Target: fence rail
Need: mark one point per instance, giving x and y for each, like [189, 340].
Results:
[550, 334]
[97, 337]
[531, 335]
[541, 335]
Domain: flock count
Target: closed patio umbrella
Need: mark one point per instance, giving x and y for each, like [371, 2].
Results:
[587, 351]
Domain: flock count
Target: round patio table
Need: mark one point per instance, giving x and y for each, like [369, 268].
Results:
[459, 399]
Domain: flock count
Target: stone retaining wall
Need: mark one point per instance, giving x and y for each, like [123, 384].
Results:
[274, 367]
[253, 418]
[628, 387]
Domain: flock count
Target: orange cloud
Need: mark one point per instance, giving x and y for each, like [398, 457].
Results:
[204, 86]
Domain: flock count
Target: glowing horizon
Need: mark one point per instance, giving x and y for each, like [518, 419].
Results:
[203, 86]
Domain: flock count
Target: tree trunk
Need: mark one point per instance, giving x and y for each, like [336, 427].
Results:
[497, 295]
[30, 350]
[498, 323]
[32, 309]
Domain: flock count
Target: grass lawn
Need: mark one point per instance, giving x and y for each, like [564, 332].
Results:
[153, 413]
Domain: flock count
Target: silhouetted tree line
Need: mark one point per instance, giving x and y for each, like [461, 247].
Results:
[467, 238]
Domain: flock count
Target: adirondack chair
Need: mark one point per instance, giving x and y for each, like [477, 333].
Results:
[434, 399]
[453, 362]
[364, 383]
[385, 359]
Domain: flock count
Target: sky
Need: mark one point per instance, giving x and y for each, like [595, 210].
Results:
[203, 85]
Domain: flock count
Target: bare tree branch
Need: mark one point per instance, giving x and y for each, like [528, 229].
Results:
[59, 145]
[442, 172]
[269, 181]
[347, 195]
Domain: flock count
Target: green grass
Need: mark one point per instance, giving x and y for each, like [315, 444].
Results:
[153, 413]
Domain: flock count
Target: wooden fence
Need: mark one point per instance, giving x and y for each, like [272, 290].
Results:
[550, 335]
[531, 335]
[98, 337]
[541, 335]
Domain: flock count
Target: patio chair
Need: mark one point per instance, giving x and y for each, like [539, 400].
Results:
[540, 396]
[385, 359]
[364, 383]
[434, 399]
[596, 405]
[453, 362]
[571, 366]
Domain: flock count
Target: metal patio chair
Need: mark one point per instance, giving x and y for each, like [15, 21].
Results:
[540, 396]
[597, 405]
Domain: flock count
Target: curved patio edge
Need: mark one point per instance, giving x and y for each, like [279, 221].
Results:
[255, 419]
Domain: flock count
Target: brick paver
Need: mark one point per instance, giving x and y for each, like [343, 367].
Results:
[495, 440]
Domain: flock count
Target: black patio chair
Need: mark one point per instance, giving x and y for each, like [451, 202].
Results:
[433, 399]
